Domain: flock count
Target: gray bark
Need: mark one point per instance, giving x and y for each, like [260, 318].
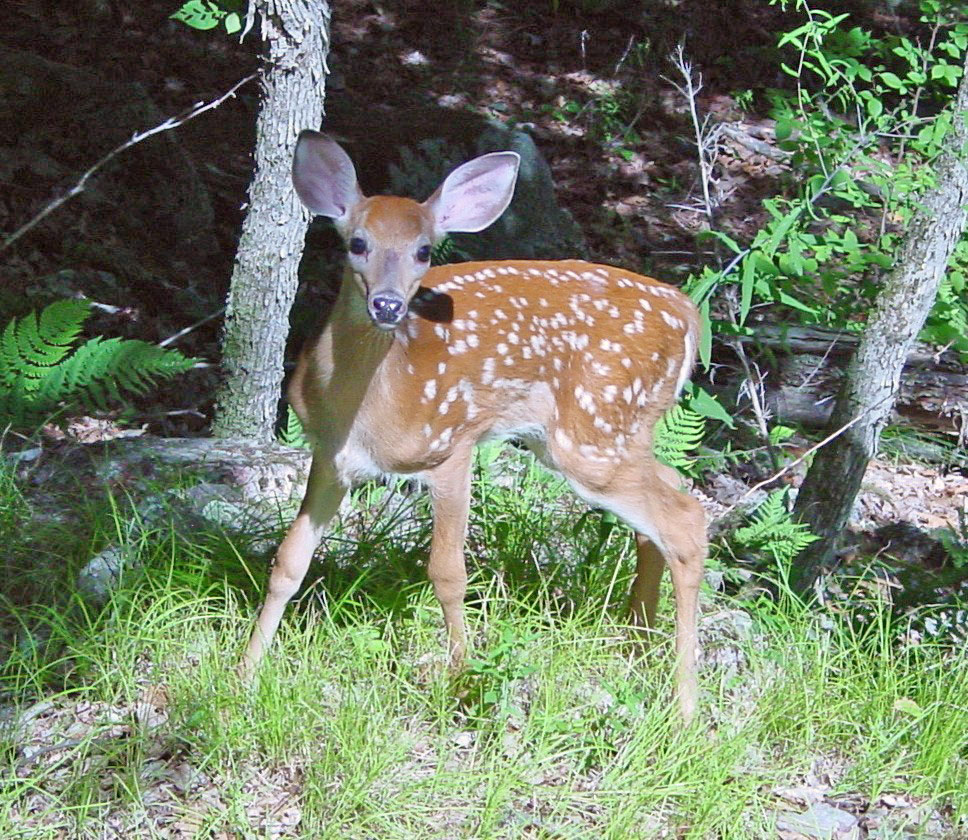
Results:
[264, 279]
[871, 385]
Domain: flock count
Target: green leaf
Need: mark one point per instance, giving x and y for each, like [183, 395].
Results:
[233, 23]
[747, 279]
[892, 80]
[706, 405]
[700, 288]
[780, 433]
[784, 128]
[705, 335]
[199, 14]
[788, 300]
[718, 235]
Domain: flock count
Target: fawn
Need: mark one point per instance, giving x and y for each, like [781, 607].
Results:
[416, 365]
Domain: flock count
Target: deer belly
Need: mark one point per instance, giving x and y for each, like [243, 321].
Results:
[355, 463]
[364, 457]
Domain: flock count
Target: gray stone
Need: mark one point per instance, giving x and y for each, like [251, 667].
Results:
[102, 574]
[821, 821]
[244, 488]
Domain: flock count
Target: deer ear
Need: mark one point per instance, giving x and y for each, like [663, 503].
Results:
[324, 177]
[475, 194]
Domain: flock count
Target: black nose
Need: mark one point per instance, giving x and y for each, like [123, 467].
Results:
[387, 309]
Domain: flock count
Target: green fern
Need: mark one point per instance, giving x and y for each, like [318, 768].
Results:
[443, 251]
[679, 432]
[773, 530]
[293, 434]
[41, 373]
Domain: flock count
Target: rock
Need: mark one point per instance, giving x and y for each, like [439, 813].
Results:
[244, 488]
[821, 821]
[723, 636]
[533, 226]
[102, 574]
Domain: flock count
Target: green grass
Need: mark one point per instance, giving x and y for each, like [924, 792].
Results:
[560, 728]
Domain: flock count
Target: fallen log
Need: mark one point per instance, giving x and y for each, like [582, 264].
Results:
[806, 366]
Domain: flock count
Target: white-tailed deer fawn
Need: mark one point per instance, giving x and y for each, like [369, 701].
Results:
[418, 364]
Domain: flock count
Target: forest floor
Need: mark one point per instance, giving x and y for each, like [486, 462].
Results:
[126, 720]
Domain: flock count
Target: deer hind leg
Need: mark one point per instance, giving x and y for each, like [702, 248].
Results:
[644, 600]
[675, 524]
[650, 563]
[323, 495]
[684, 540]
[670, 526]
[450, 494]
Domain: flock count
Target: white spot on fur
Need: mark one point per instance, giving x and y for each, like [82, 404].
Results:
[487, 371]
[671, 320]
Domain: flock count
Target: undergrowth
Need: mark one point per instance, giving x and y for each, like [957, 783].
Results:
[131, 717]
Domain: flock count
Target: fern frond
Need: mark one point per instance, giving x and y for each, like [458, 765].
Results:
[678, 432]
[32, 345]
[39, 373]
[293, 435]
[101, 369]
[442, 251]
[772, 529]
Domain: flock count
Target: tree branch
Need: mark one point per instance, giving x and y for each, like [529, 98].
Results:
[78, 188]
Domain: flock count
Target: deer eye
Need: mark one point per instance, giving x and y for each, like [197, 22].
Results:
[357, 245]
[423, 253]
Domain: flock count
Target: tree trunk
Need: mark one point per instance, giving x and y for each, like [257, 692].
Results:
[264, 278]
[871, 385]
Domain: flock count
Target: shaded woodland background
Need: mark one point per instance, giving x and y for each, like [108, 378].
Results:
[155, 235]
[124, 720]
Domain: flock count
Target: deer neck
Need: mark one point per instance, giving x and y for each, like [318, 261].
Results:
[353, 350]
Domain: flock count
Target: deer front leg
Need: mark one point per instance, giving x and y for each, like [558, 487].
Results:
[323, 495]
[450, 494]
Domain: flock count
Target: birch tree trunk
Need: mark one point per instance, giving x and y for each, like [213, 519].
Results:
[264, 278]
[871, 384]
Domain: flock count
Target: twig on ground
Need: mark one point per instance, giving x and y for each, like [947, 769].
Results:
[832, 436]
